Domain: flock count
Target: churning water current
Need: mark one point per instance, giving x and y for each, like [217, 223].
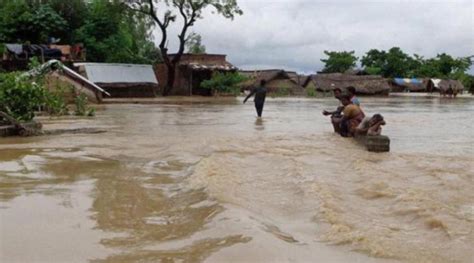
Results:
[204, 180]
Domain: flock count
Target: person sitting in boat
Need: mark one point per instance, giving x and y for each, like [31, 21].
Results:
[352, 92]
[352, 116]
[371, 126]
[335, 115]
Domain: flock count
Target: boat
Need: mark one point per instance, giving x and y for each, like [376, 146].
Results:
[378, 143]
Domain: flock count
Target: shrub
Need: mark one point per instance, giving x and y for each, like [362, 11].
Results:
[20, 98]
[311, 92]
[281, 91]
[82, 109]
[224, 82]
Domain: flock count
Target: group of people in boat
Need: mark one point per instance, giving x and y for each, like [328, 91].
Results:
[349, 119]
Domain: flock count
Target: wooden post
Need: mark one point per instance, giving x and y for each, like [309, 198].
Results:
[191, 84]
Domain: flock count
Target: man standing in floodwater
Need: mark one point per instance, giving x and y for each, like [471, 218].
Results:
[260, 93]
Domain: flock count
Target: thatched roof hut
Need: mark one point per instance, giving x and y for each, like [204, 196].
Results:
[364, 84]
[298, 78]
[443, 85]
[278, 81]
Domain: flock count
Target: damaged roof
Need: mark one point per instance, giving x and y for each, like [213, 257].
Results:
[118, 73]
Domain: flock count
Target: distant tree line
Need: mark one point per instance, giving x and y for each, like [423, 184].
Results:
[396, 63]
[109, 30]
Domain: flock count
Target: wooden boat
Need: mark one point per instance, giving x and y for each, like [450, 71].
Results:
[379, 143]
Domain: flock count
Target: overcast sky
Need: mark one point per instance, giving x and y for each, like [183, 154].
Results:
[292, 34]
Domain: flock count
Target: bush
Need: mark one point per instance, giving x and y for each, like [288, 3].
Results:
[55, 104]
[224, 82]
[311, 92]
[81, 106]
[20, 98]
[281, 92]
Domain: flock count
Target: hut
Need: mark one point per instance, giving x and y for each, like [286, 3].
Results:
[407, 85]
[278, 81]
[121, 80]
[298, 78]
[69, 83]
[191, 71]
[445, 86]
[364, 84]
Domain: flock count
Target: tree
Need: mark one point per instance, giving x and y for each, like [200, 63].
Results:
[224, 82]
[74, 12]
[111, 33]
[20, 22]
[190, 11]
[193, 43]
[394, 63]
[339, 61]
[442, 66]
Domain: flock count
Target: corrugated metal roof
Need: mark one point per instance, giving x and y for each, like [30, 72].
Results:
[119, 73]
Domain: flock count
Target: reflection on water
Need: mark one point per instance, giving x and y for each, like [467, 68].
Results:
[202, 181]
[259, 126]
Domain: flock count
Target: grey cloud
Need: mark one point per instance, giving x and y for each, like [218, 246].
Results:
[294, 34]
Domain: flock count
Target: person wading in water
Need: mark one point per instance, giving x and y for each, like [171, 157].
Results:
[260, 93]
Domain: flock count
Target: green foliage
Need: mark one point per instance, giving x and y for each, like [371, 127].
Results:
[311, 92]
[280, 92]
[112, 34]
[24, 22]
[54, 101]
[33, 63]
[339, 61]
[193, 43]
[80, 101]
[394, 63]
[469, 84]
[442, 66]
[20, 98]
[108, 29]
[224, 82]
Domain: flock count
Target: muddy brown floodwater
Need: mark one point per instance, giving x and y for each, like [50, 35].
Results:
[190, 180]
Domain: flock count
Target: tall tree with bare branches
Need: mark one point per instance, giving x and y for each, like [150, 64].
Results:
[165, 12]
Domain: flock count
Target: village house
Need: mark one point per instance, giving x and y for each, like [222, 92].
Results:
[444, 85]
[121, 80]
[298, 78]
[278, 81]
[364, 84]
[408, 85]
[191, 71]
[70, 84]
[66, 82]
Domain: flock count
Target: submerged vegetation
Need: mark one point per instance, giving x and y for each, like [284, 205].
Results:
[224, 83]
[22, 96]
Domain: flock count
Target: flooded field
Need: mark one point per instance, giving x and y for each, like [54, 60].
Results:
[191, 181]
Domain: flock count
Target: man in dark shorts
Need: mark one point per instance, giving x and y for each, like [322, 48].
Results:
[260, 93]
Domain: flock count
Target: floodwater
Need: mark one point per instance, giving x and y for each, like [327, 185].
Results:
[190, 181]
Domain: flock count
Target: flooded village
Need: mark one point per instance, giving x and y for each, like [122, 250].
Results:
[126, 136]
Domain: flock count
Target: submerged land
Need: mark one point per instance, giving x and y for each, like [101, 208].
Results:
[193, 179]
